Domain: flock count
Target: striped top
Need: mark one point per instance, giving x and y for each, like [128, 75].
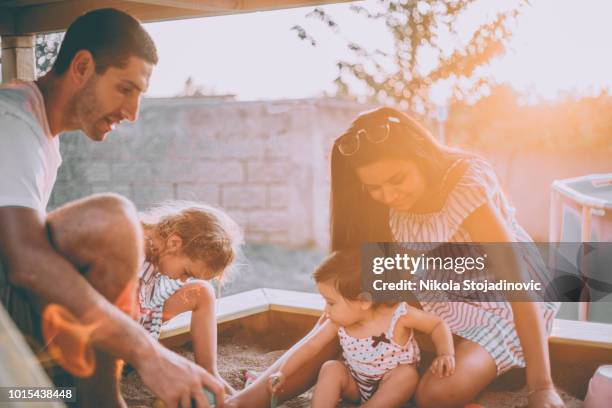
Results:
[489, 324]
[154, 289]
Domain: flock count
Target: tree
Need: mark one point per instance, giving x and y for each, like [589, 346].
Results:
[46, 50]
[398, 77]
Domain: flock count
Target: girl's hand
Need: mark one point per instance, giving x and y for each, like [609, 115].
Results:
[276, 382]
[545, 398]
[443, 365]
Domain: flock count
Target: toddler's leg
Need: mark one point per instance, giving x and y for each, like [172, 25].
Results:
[396, 387]
[334, 382]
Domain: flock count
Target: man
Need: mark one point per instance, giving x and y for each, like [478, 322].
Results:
[83, 256]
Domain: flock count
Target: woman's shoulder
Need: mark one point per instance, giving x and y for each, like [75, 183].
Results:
[469, 174]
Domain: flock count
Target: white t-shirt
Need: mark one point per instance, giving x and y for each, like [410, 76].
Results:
[29, 153]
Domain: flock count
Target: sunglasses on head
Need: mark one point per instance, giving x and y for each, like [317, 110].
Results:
[349, 143]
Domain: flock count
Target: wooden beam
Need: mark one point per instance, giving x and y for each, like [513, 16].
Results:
[565, 332]
[57, 16]
[206, 6]
[7, 21]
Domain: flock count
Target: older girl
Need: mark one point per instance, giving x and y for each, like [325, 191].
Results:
[186, 246]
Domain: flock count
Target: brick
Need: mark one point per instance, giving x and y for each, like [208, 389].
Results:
[269, 221]
[256, 237]
[243, 196]
[122, 189]
[278, 197]
[279, 238]
[278, 147]
[174, 171]
[152, 141]
[219, 171]
[66, 192]
[241, 217]
[231, 147]
[260, 171]
[132, 172]
[97, 172]
[146, 195]
[208, 193]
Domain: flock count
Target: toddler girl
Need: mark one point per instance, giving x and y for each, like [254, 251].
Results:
[379, 351]
[186, 245]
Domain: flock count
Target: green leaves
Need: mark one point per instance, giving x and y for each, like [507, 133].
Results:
[401, 77]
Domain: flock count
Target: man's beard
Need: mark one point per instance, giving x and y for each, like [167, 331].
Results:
[85, 109]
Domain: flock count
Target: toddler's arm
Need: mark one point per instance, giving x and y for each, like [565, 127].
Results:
[444, 363]
[300, 355]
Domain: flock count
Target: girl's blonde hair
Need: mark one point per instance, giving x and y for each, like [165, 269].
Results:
[207, 233]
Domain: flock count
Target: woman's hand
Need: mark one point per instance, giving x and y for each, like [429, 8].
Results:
[276, 382]
[545, 398]
[443, 365]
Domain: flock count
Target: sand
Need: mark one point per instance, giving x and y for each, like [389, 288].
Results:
[235, 356]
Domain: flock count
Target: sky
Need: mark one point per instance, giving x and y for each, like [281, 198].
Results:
[559, 46]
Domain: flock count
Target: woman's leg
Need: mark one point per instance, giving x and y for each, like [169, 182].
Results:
[475, 369]
[257, 394]
[334, 382]
[396, 387]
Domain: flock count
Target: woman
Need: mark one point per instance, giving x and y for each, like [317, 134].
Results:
[391, 181]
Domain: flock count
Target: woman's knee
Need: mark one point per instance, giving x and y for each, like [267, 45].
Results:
[438, 394]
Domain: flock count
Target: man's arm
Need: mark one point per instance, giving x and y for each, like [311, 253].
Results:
[33, 264]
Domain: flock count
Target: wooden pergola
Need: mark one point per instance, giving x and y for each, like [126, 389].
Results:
[21, 20]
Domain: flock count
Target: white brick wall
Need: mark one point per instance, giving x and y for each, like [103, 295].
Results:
[264, 162]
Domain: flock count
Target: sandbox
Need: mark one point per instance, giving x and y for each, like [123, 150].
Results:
[255, 339]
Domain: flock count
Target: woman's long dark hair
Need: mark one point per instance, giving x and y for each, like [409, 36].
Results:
[355, 217]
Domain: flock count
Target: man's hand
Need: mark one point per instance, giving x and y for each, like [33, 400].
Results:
[176, 380]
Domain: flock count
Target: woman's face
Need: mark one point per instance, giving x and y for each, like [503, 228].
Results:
[397, 183]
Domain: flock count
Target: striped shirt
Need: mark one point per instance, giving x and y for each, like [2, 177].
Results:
[154, 289]
[490, 324]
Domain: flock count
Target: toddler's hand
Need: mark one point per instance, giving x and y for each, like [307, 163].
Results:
[443, 365]
[276, 382]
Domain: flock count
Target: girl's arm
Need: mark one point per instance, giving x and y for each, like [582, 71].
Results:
[444, 364]
[434, 326]
[199, 297]
[486, 225]
[298, 357]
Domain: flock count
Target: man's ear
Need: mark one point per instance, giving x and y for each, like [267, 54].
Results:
[82, 67]
[174, 243]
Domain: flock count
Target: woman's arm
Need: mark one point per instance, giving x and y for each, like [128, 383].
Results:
[485, 224]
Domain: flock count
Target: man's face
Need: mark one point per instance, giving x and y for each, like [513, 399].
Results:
[107, 99]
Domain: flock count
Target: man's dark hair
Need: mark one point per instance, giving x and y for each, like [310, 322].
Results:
[111, 36]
